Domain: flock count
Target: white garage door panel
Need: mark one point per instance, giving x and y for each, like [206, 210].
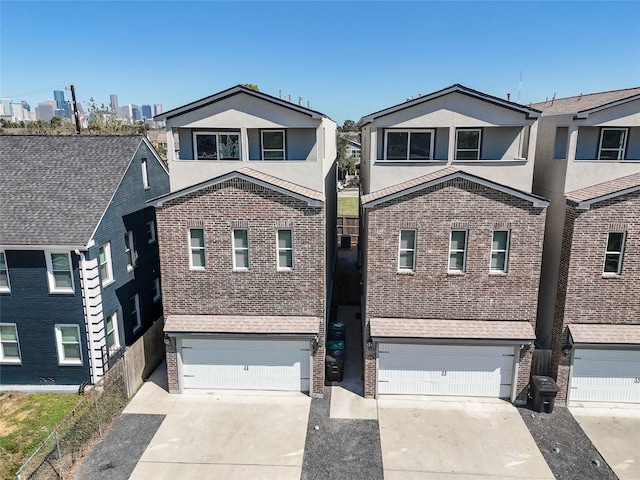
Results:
[605, 376]
[245, 364]
[445, 370]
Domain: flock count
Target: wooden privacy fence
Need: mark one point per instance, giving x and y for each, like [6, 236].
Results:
[348, 225]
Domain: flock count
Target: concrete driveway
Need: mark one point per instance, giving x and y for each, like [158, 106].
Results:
[223, 435]
[615, 432]
[424, 438]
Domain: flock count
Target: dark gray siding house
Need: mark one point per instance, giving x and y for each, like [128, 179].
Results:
[79, 267]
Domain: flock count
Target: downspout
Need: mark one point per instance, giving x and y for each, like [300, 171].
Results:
[87, 316]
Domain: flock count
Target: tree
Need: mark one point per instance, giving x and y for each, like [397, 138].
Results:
[252, 86]
[349, 126]
[346, 163]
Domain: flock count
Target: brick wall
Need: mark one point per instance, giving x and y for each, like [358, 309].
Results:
[432, 292]
[262, 290]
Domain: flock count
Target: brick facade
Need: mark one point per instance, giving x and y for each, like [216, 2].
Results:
[431, 292]
[585, 295]
[261, 290]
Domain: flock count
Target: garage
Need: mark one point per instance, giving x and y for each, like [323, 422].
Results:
[245, 364]
[457, 370]
[605, 375]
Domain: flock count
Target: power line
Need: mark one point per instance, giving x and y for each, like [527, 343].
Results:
[44, 90]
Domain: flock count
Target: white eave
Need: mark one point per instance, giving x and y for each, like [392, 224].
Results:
[585, 113]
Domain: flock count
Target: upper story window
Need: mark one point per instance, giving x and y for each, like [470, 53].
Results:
[68, 344]
[59, 272]
[136, 318]
[285, 249]
[4, 274]
[457, 251]
[499, 251]
[111, 328]
[129, 250]
[106, 267]
[468, 143]
[614, 253]
[273, 145]
[157, 293]
[145, 173]
[612, 143]
[9, 345]
[409, 144]
[407, 251]
[241, 249]
[196, 246]
[151, 231]
[216, 145]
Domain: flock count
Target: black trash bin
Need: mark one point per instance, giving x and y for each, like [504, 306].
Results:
[337, 331]
[335, 349]
[345, 241]
[543, 393]
[333, 369]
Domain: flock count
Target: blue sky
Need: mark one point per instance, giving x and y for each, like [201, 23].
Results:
[347, 58]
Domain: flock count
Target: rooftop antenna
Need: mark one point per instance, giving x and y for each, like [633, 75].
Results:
[520, 86]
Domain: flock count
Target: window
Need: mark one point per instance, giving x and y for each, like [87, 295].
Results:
[156, 290]
[59, 272]
[468, 144]
[217, 146]
[129, 250]
[145, 173]
[285, 250]
[106, 267]
[241, 249]
[408, 144]
[111, 329]
[560, 145]
[407, 250]
[499, 251]
[613, 255]
[457, 250]
[612, 143]
[196, 239]
[151, 231]
[136, 319]
[273, 145]
[9, 345]
[68, 343]
[4, 274]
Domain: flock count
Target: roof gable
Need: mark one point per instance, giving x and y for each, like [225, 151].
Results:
[441, 176]
[585, 197]
[457, 88]
[233, 91]
[312, 197]
[54, 190]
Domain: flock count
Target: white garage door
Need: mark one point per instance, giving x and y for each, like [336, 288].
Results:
[445, 370]
[605, 376]
[245, 364]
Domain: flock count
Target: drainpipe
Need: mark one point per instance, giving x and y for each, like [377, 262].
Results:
[87, 316]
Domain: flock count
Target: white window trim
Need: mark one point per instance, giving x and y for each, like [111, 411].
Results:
[114, 323]
[458, 130]
[145, 173]
[620, 255]
[151, 231]
[505, 251]
[6, 289]
[59, 345]
[278, 249]
[108, 261]
[240, 249]
[217, 134]
[138, 321]
[621, 151]
[191, 249]
[413, 250]
[50, 277]
[283, 149]
[409, 131]
[11, 360]
[132, 248]
[156, 286]
[464, 256]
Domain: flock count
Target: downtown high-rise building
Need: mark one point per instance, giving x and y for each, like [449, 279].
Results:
[146, 111]
[113, 103]
[58, 96]
[157, 109]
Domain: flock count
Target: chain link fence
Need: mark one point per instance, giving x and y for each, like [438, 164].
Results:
[56, 456]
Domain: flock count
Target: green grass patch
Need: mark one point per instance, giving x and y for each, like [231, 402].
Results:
[347, 206]
[26, 419]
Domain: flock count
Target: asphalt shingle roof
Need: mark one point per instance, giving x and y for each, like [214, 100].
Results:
[599, 333]
[582, 103]
[242, 324]
[605, 189]
[54, 189]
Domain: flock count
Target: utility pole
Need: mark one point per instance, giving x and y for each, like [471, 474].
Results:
[75, 109]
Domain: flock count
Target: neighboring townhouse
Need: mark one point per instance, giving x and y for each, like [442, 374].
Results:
[451, 243]
[247, 243]
[79, 264]
[587, 165]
